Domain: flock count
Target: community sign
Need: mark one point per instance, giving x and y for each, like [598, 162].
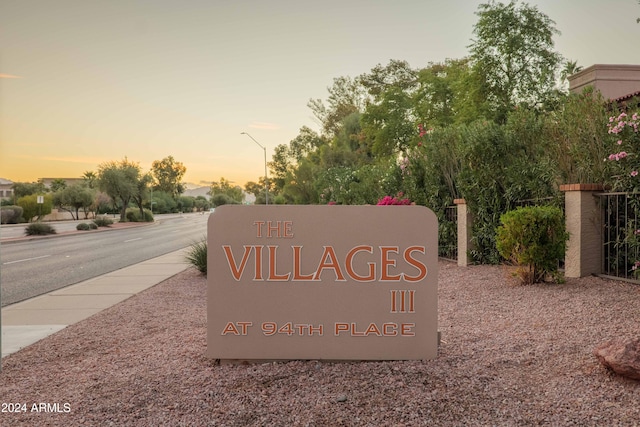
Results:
[322, 283]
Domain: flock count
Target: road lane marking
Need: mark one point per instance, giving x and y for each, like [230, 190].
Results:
[132, 240]
[26, 259]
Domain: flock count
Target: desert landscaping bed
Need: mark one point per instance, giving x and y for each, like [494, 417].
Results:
[510, 355]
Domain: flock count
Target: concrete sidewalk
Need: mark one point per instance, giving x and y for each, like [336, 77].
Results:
[29, 321]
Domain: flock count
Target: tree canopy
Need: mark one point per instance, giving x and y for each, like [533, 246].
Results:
[222, 192]
[123, 182]
[513, 53]
[75, 197]
[168, 174]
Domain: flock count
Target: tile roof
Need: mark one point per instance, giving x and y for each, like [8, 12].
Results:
[627, 97]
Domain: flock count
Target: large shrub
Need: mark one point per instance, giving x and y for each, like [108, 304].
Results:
[164, 203]
[429, 176]
[133, 215]
[31, 207]
[39, 229]
[103, 221]
[10, 214]
[83, 226]
[624, 158]
[222, 199]
[502, 166]
[534, 238]
[578, 139]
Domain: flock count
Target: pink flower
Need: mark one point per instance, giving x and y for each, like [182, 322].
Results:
[634, 173]
[622, 154]
[619, 142]
[388, 200]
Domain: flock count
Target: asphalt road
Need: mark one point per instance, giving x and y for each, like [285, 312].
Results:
[34, 267]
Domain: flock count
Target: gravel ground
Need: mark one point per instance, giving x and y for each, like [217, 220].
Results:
[510, 355]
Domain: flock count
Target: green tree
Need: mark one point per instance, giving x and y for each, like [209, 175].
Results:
[300, 186]
[120, 181]
[32, 209]
[90, 179]
[58, 184]
[570, 68]
[141, 191]
[254, 188]
[168, 174]
[346, 96]
[201, 203]
[234, 192]
[164, 203]
[449, 93]
[388, 119]
[21, 189]
[104, 204]
[73, 198]
[513, 53]
[186, 203]
[280, 166]
[258, 190]
[286, 156]
[307, 142]
[220, 199]
[578, 139]
[348, 148]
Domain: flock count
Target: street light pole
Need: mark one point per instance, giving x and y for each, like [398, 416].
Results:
[266, 187]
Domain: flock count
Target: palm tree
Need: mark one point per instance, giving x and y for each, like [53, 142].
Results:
[570, 68]
[90, 178]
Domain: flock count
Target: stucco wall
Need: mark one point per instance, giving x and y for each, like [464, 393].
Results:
[613, 81]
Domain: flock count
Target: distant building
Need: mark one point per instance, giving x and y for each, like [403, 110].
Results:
[616, 83]
[69, 181]
[6, 190]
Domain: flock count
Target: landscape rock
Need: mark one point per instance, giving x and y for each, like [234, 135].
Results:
[620, 355]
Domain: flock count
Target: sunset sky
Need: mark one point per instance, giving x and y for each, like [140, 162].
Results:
[84, 82]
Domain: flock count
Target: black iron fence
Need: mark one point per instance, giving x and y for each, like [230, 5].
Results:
[620, 235]
[448, 234]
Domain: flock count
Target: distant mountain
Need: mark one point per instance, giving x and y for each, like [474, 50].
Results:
[198, 191]
[202, 191]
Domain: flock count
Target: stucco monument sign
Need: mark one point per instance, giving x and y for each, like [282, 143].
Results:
[322, 282]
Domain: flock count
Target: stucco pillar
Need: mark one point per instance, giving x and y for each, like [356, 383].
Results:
[465, 227]
[583, 220]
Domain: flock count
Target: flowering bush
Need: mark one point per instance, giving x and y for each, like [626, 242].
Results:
[388, 200]
[625, 161]
[624, 164]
